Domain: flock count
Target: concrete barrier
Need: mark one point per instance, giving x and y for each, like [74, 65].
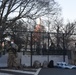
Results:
[26, 59]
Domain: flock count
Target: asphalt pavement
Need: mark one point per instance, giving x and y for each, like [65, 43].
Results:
[40, 71]
[57, 71]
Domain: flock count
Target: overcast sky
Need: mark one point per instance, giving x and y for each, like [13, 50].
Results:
[68, 9]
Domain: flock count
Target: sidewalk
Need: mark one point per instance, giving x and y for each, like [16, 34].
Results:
[25, 71]
[5, 74]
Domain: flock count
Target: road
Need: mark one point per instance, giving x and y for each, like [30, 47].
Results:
[56, 71]
[45, 71]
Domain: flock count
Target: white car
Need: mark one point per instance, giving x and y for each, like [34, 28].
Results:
[65, 65]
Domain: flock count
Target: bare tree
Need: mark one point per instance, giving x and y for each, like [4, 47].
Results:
[13, 10]
[58, 29]
[68, 34]
[63, 33]
[24, 9]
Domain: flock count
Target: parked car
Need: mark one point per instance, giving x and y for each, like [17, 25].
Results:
[65, 65]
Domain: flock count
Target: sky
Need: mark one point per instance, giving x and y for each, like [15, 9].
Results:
[68, 10]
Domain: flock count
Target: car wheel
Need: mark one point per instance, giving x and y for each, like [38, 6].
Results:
[66, 68]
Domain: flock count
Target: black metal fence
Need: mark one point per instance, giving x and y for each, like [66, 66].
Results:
[42, 43]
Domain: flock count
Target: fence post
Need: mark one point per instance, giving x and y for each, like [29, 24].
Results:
[31, 49]
[48, 47]
[63, 48]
